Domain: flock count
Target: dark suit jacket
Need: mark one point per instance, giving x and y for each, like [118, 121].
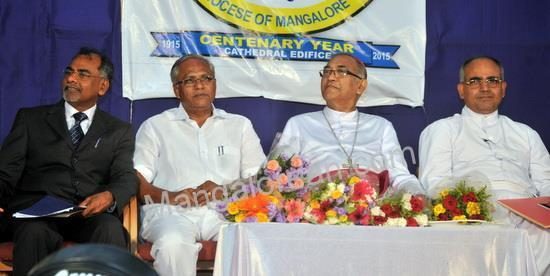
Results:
[38, 158]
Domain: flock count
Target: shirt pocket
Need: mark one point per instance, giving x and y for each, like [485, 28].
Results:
[228, 158]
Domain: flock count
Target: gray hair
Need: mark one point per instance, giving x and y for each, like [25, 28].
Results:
[174, 72]
[468, 61]
[360, 65]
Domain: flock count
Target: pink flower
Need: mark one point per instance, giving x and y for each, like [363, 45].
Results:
[283, 179]
[296, 161]
[298, 183]
[362, 190]
[294, 210]
[360, 216]
[272, 165]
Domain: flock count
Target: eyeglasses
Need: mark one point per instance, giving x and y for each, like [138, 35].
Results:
[340, 73]
[491, 82]
[192, 81]
[81, 75]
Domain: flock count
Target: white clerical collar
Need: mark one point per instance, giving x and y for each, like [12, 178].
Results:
[481, 119]
[337, 116]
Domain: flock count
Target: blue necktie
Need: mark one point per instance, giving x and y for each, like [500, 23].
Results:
[76, 132]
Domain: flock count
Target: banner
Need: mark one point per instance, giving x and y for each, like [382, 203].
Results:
[275, 50]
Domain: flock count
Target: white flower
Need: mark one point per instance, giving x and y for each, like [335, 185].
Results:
[406, 201]
[376, 211]
[341, 187]
[421, 219]
[400, 222]
[332, 220]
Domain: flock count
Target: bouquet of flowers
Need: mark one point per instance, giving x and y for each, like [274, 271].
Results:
[400, 209]
[463, 202]
[341, 202]
[277, 194]
[286, 179]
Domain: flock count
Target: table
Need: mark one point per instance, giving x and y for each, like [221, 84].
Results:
[307, 249]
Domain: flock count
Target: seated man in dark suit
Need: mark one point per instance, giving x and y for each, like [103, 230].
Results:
[73, 151]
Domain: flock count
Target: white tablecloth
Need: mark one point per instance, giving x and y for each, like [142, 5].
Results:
[305, 249]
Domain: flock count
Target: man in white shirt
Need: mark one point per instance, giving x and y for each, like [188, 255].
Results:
[340, 136]
[182, 157]
[511, 154]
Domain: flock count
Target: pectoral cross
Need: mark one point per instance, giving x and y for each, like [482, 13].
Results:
[349, 164]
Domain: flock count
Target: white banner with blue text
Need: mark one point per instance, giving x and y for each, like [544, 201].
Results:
[275, 49]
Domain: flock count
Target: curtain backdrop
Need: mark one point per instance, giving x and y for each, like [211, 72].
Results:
[39, 37]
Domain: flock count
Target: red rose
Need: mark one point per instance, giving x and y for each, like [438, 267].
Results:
[387, 209]
[443, 217]
[379, 220]
[325, 205]
[417, 204]
[394, 214]
[480, 217]
[450, 203]
[469, 197]
[412, 222]
[456, 212]
[319, 215]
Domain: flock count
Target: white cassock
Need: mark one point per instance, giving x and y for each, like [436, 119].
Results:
[376, 145]
[510, 154]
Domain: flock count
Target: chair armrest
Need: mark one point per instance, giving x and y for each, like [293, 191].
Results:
[130, 222]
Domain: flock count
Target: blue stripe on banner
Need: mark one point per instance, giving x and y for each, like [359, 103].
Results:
[271, 47]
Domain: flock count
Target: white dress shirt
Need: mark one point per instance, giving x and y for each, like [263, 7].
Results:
[85, 124]
[376, 146]
[512, 155]
[173, 152]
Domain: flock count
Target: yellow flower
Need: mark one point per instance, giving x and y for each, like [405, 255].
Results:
[262, 217]
[461, 217]
[239, 217]
[232, 208]
[444, 193]
[273, 199]
[336, 194]
[331, 213]
[473, 208]
[343, 218]
[439, 209]
[353, 180]
[315, 204]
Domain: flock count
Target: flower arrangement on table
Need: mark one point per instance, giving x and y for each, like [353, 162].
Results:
[341, 202]
[277, 194]
[400, 209]
[462, 202]
[281, 193]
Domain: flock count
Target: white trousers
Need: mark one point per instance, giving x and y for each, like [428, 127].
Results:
[174, 232]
